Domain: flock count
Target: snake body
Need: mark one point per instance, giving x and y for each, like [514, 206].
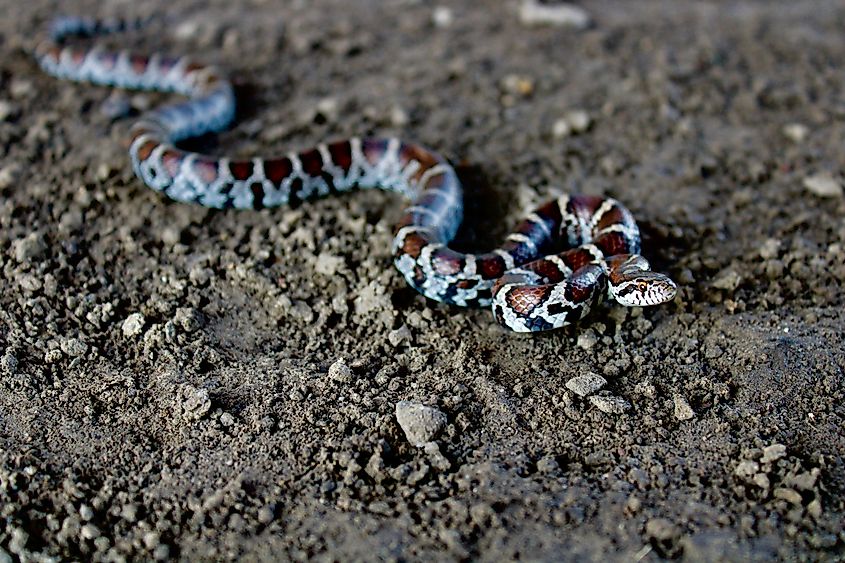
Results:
[562, 259]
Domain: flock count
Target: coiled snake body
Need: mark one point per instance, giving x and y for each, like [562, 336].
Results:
[564, 258]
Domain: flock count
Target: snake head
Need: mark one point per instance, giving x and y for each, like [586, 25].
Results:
[633, 284]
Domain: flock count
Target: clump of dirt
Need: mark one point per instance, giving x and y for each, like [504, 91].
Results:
[180, 382]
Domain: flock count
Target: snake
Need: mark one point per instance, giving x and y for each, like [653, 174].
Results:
[560, 262]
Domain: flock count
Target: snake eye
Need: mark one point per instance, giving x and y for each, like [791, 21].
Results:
[643, 286]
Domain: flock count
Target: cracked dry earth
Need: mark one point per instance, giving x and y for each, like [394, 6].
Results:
[183, 383]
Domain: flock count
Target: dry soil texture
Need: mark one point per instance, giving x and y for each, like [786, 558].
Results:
[165, 387]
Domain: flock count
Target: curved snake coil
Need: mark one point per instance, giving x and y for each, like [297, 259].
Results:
[564, 258]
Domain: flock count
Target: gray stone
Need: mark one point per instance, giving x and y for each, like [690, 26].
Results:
[683, 410]
[586, 384]
[133, 325]
[610, 404]
[823, 185]
[420, 423]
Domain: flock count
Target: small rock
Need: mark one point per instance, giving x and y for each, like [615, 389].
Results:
[516, 84]
[74, 347]
[773, 453]
[31, 247]
[587, 339]
[789, 495]
[133, 325]
[265, 514]
[195, 403]
[9, 363]
[85, 512]
[20, 88]
[661, 529]
[340, 372]
[188, 319]
[814, 509]
[795, 132]
[728, 279]
[9, 175]
[548, 465]
[328, 264]
[129, 512]
[226, 419]
[399, 336]
[533, 12]
[90, 532]
[610, 404]
[419, 422]
[329, 108]
[398, 116]
[442, 17]
[574, 122]
[761, 480]
[7, 110]
[769, 249]
[746, 469]
[583, 385]
[683, 410]
[804, 481]
[823, 185]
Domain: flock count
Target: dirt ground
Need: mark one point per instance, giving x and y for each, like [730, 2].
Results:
[165, 381]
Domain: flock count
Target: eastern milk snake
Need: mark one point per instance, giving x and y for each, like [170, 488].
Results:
[564, 258]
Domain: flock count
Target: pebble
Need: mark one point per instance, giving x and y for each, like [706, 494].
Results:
[533, 12]
[74, 347]
[583, 385]
[795, 132]
[773, 453]
[516, 84]
[328, 264]
[20, 88]
[188, 319]
[610, 404]
[9, 363]
[770, 248]
[226, 419]
[90, 532]
[746, 469]
[573, 123]
[661, 529]
[340, 372]
[823, 185]
[419, 422]
[7, 110]
[129, 512]
[85, 512]
[683, 410]
[399, 336]
[329, 108]
[265, 514]
[133, 325]
[548, 465]
[789, 495]
[442, 17]
[587, 339]
[30, 247]
[398, 116]
[804, 481]
[728, 279]
[195, 403]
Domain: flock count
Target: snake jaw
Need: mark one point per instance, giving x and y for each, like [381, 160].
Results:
[647, 288]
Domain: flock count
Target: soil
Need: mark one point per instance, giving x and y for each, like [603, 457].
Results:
[177, 382]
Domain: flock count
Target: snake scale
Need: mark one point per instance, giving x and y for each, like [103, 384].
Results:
[563, 259]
